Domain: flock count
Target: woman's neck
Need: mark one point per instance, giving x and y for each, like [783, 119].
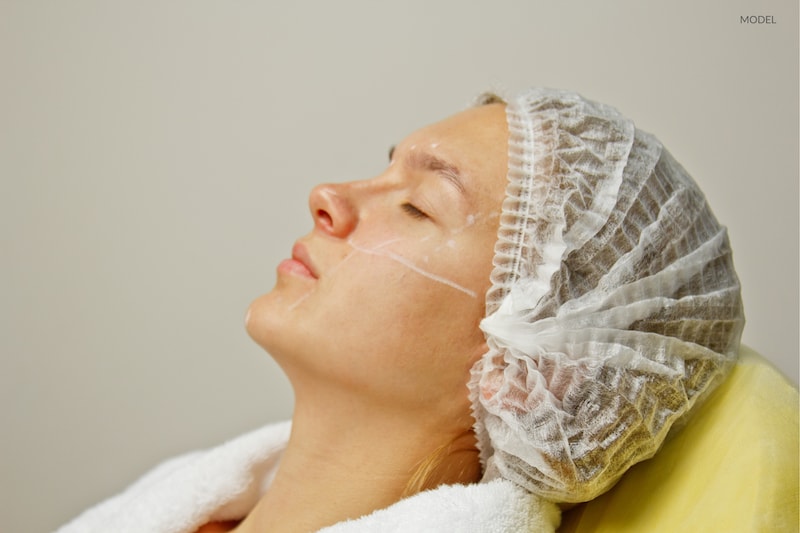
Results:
[342, 467]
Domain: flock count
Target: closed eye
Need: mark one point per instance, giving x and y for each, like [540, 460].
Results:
[414, 211]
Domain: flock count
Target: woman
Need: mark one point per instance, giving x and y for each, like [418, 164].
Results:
[512, 314]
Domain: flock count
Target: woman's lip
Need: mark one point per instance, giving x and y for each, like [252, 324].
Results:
[293, 266]
[300, 263]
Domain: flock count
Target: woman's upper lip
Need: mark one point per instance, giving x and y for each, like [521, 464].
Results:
[300, 254]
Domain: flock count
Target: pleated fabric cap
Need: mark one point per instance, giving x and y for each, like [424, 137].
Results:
[614, 304]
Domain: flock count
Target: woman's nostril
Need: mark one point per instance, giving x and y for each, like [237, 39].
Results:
[331, 209]
[325, 218]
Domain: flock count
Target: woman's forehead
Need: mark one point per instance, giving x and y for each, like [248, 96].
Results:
[483, 126]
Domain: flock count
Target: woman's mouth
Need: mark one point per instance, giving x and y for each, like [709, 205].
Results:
[300, 264]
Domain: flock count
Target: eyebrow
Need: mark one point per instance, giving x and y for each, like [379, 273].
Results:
[427, 161]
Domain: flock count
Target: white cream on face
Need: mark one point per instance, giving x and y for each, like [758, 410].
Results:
[388, 254]
[380, 251]
[299, 301]
[470, 221]
[335, 267]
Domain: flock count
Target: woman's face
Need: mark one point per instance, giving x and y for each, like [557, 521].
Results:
[384, 296]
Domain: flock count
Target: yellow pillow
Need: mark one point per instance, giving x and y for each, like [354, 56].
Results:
[734, 467]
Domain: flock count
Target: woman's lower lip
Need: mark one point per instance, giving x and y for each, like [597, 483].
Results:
[292, 266]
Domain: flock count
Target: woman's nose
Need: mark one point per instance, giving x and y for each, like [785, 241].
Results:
[332, 209]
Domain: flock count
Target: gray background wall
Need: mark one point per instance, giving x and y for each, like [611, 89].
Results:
[155, 159]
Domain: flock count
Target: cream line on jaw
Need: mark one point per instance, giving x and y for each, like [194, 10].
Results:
[408, 264]
[299, 301]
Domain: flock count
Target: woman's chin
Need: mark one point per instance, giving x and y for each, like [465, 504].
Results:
[274, 321]
[263, 319]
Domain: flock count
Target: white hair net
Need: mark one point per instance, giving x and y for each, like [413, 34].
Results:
[614, 303]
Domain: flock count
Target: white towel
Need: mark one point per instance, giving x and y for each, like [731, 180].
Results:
[224, 483]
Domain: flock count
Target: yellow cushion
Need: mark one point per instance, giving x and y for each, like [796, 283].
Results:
[734, 467]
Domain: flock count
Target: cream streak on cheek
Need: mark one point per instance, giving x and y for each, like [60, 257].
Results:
[334, 268]
[472, 219]
[381, 252]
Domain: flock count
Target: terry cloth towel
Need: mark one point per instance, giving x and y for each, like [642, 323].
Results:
[224, 483]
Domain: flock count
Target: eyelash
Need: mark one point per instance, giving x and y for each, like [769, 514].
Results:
[414, 211]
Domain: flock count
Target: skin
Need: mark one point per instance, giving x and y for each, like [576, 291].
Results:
[376, 326]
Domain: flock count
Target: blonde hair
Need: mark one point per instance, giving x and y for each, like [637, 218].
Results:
[432, 471]
[423, 475]
[489, 98]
